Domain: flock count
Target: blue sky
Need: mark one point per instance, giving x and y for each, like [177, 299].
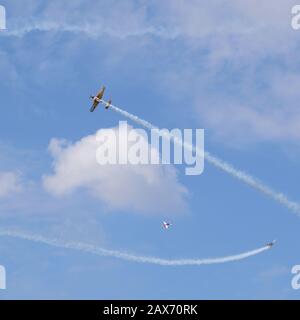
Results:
[232, 69]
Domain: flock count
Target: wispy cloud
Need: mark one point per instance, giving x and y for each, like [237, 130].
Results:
[172, 18]
[10, 183]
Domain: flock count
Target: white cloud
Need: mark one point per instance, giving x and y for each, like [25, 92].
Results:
[258, 107]
[9, 183]
[141, 188]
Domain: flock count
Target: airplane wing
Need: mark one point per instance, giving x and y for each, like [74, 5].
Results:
[94, 106]
[100, 93]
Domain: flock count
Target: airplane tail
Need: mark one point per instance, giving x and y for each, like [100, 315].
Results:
[108, 104]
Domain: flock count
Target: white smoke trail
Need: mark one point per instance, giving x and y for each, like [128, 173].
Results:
[226, 167]
[90, 30]
[126, 256]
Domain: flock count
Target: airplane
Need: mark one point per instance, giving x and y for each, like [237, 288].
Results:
[98, 99]
[271, 244]
[166, 225]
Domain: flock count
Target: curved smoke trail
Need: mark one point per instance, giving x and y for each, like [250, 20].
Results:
[126, 256]
[226, 167]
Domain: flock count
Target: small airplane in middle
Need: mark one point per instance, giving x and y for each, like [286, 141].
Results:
[166, 225]
[98, 99]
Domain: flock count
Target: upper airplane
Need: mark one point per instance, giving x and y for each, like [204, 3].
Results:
[98, 99]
